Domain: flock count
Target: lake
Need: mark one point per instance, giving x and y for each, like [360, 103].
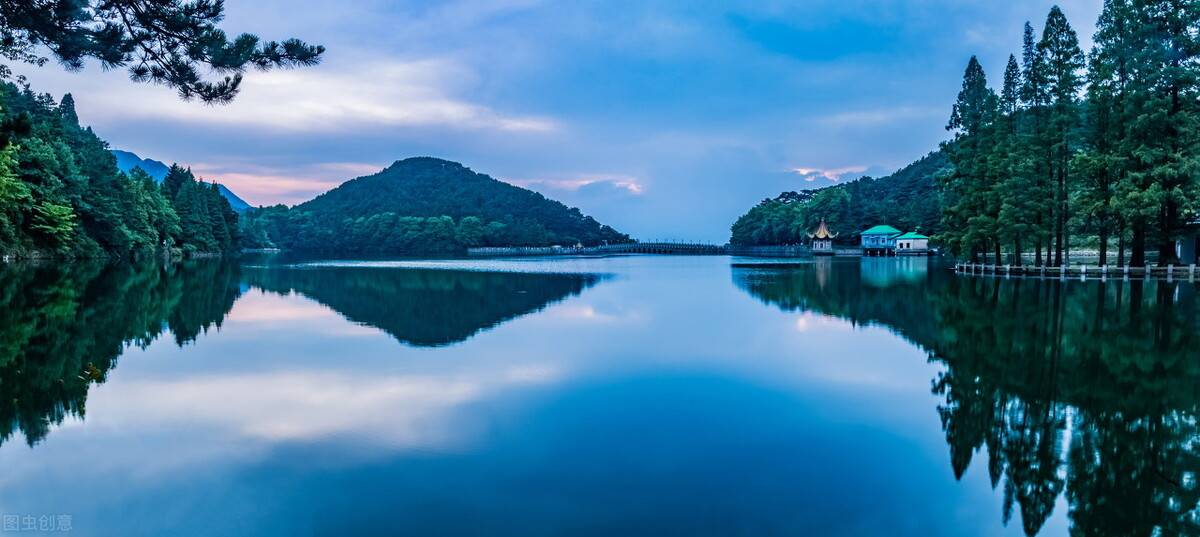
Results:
[629, 395]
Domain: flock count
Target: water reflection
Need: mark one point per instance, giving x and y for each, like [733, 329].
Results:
[1083, 389]
[422, 307]
[637, 405]
[63, 327]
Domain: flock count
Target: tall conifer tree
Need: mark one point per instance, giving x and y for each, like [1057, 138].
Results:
[1033, 141]
[1018, 210]
[1063, 61]
[971, 203]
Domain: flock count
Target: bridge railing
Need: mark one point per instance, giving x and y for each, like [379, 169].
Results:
[630, 248]
[1169, 272]
[662, 248]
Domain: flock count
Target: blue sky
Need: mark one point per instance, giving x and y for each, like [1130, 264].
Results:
[664, 119]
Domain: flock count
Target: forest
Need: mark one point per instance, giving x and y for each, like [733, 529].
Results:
[61, 194]
[1080, 150]
[907, 199]
[423, 205]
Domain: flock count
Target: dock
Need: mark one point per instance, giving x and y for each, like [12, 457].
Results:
[1169, 272]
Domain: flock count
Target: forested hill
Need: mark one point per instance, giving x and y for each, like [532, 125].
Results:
[907, 199]
[424, 205]
[62, 195]
[127, 161]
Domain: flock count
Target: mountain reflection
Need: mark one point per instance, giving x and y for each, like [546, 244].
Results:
[1083, 389]
[422, 307]
[63, 327]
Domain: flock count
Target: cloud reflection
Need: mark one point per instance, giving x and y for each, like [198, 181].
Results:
[399, 411]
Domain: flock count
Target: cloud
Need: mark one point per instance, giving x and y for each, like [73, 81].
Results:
[881, 116]
[471, 13]
[260, 185]
[352, 169]
[831, 174]
[628, 184]
[263, 188]
[340, 98]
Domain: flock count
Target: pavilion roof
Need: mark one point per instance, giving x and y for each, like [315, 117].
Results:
[822, 232]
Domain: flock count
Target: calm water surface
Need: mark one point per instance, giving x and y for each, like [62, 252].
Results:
[614, 396]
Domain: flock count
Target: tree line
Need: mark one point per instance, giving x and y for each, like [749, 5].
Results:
[1080, 149]
[61, 193]
[386, 233]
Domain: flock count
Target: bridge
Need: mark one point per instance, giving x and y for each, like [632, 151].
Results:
[665, 248]
[660, 248]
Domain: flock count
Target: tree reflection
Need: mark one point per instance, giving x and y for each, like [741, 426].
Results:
[62, 328]
[1088, 389]
[423, 307]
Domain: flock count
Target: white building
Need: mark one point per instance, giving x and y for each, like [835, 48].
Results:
[912, 243]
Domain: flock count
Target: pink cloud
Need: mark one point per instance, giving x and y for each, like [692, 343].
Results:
[832, 174]
[260, 185]
[623, 182]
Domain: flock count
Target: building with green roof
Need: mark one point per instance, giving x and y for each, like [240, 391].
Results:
[912, 243]
[880, 240]
[912, 235]
[882, 230]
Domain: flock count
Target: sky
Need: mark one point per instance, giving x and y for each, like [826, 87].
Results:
[666, 120]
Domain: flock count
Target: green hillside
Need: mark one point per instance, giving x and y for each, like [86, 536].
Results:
[424, 205]
[62, 194]
[907, 199]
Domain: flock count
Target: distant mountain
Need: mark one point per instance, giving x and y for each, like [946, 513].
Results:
[425, 205]
[907, 199]
[127, 161]
[236, 202]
